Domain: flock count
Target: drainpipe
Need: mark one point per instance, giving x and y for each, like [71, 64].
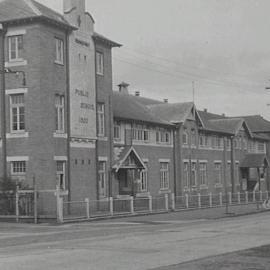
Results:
[68, 116]
[3, 102]
[176, 144]
[232, 162]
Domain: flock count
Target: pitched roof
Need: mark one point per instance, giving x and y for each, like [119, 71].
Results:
[228, 125]
[127, 107]
[257, 123]
[174, 113]
[99, 37]
[254, 161]
[12, 10]
[148, 101]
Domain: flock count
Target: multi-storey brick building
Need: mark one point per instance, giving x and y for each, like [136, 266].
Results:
[62, 123]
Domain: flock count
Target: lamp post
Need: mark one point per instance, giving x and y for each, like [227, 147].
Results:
[3, 107]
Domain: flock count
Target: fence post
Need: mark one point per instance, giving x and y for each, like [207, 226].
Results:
[220, 198]
[131, 205]
[87, 208]
[111, 206]
[35, 200]
[150, 204]
[254, 196]
[239, 197]
[261, 197]
[230, 198]
[17, 204]
[173, 201]
[246, 196]
[59, 206]
[210, 199]
[199, 200]
[166, 202]
[186, 196]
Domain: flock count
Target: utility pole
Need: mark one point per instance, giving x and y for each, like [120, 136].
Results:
[193, 91]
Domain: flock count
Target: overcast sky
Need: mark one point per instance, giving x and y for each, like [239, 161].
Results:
[223, 46]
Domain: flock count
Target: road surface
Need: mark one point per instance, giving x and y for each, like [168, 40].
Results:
[128, 244]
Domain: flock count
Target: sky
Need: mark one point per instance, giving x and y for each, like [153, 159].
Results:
[221, 46]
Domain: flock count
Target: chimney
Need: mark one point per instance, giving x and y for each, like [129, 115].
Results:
[137, 93]
[205, 110]
[166, 100]
[223, 115]
[123, 88]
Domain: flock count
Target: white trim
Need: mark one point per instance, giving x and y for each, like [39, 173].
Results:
[17, 158]
[203, 161]
[1, 143]
[217, 161]
[228, 162]
[102, 138]
[16, 63]
[164, 160]
[15, 32]
[185, 160]
[89, 145]
[103, 159]
[237, 162]
[60, 135]
[58, 62]
[17, 135]
[145, 143]
[16, 91]
[145, 159]
[194, 160]
[60, 158]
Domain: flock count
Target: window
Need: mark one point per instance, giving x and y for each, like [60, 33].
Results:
[185, 137]
[193, 137]
[217, 171]
[186, 174]
[164, 175]
[261, 147]
[100, 63]
[193, 174]
[228, 144]
[102, 178]
[237, 173]
[202, 141]
[15, 47]
[144, 178]
[203, 173]
[59, 44]
[17, 113]
[116, 131]
[60, 173]
[244, 141]
[140, 133]
[59, 113]
[18, 167]
[228, 174]
[101, 119]
[163, 136]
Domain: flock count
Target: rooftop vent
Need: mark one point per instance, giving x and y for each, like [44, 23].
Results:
[205, 110]
[166, 100]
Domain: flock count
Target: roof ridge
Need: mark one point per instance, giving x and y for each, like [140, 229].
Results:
[33, 7]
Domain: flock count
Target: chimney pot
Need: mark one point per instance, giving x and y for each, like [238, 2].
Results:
[205, 110]
[123, 88]
[166, 100]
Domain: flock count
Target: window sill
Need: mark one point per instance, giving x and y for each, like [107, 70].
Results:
[59, 63]
[100, 74]
[102, 138]
[143, 194]
[218, 185]
[17, 135]
[203, 187]
[60, 135]
[16, 63]
[164, 191]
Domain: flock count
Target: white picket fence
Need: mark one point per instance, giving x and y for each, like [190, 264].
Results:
[88, 209]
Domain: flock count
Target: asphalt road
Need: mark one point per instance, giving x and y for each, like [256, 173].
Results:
[128, 244]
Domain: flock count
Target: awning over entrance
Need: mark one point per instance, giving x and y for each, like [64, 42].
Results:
[127, 158]
[254, 161]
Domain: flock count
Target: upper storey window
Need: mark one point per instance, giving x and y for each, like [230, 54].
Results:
[59, 112]
[17, 112]
[15, 47]
[59, 46]
[100, 63]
